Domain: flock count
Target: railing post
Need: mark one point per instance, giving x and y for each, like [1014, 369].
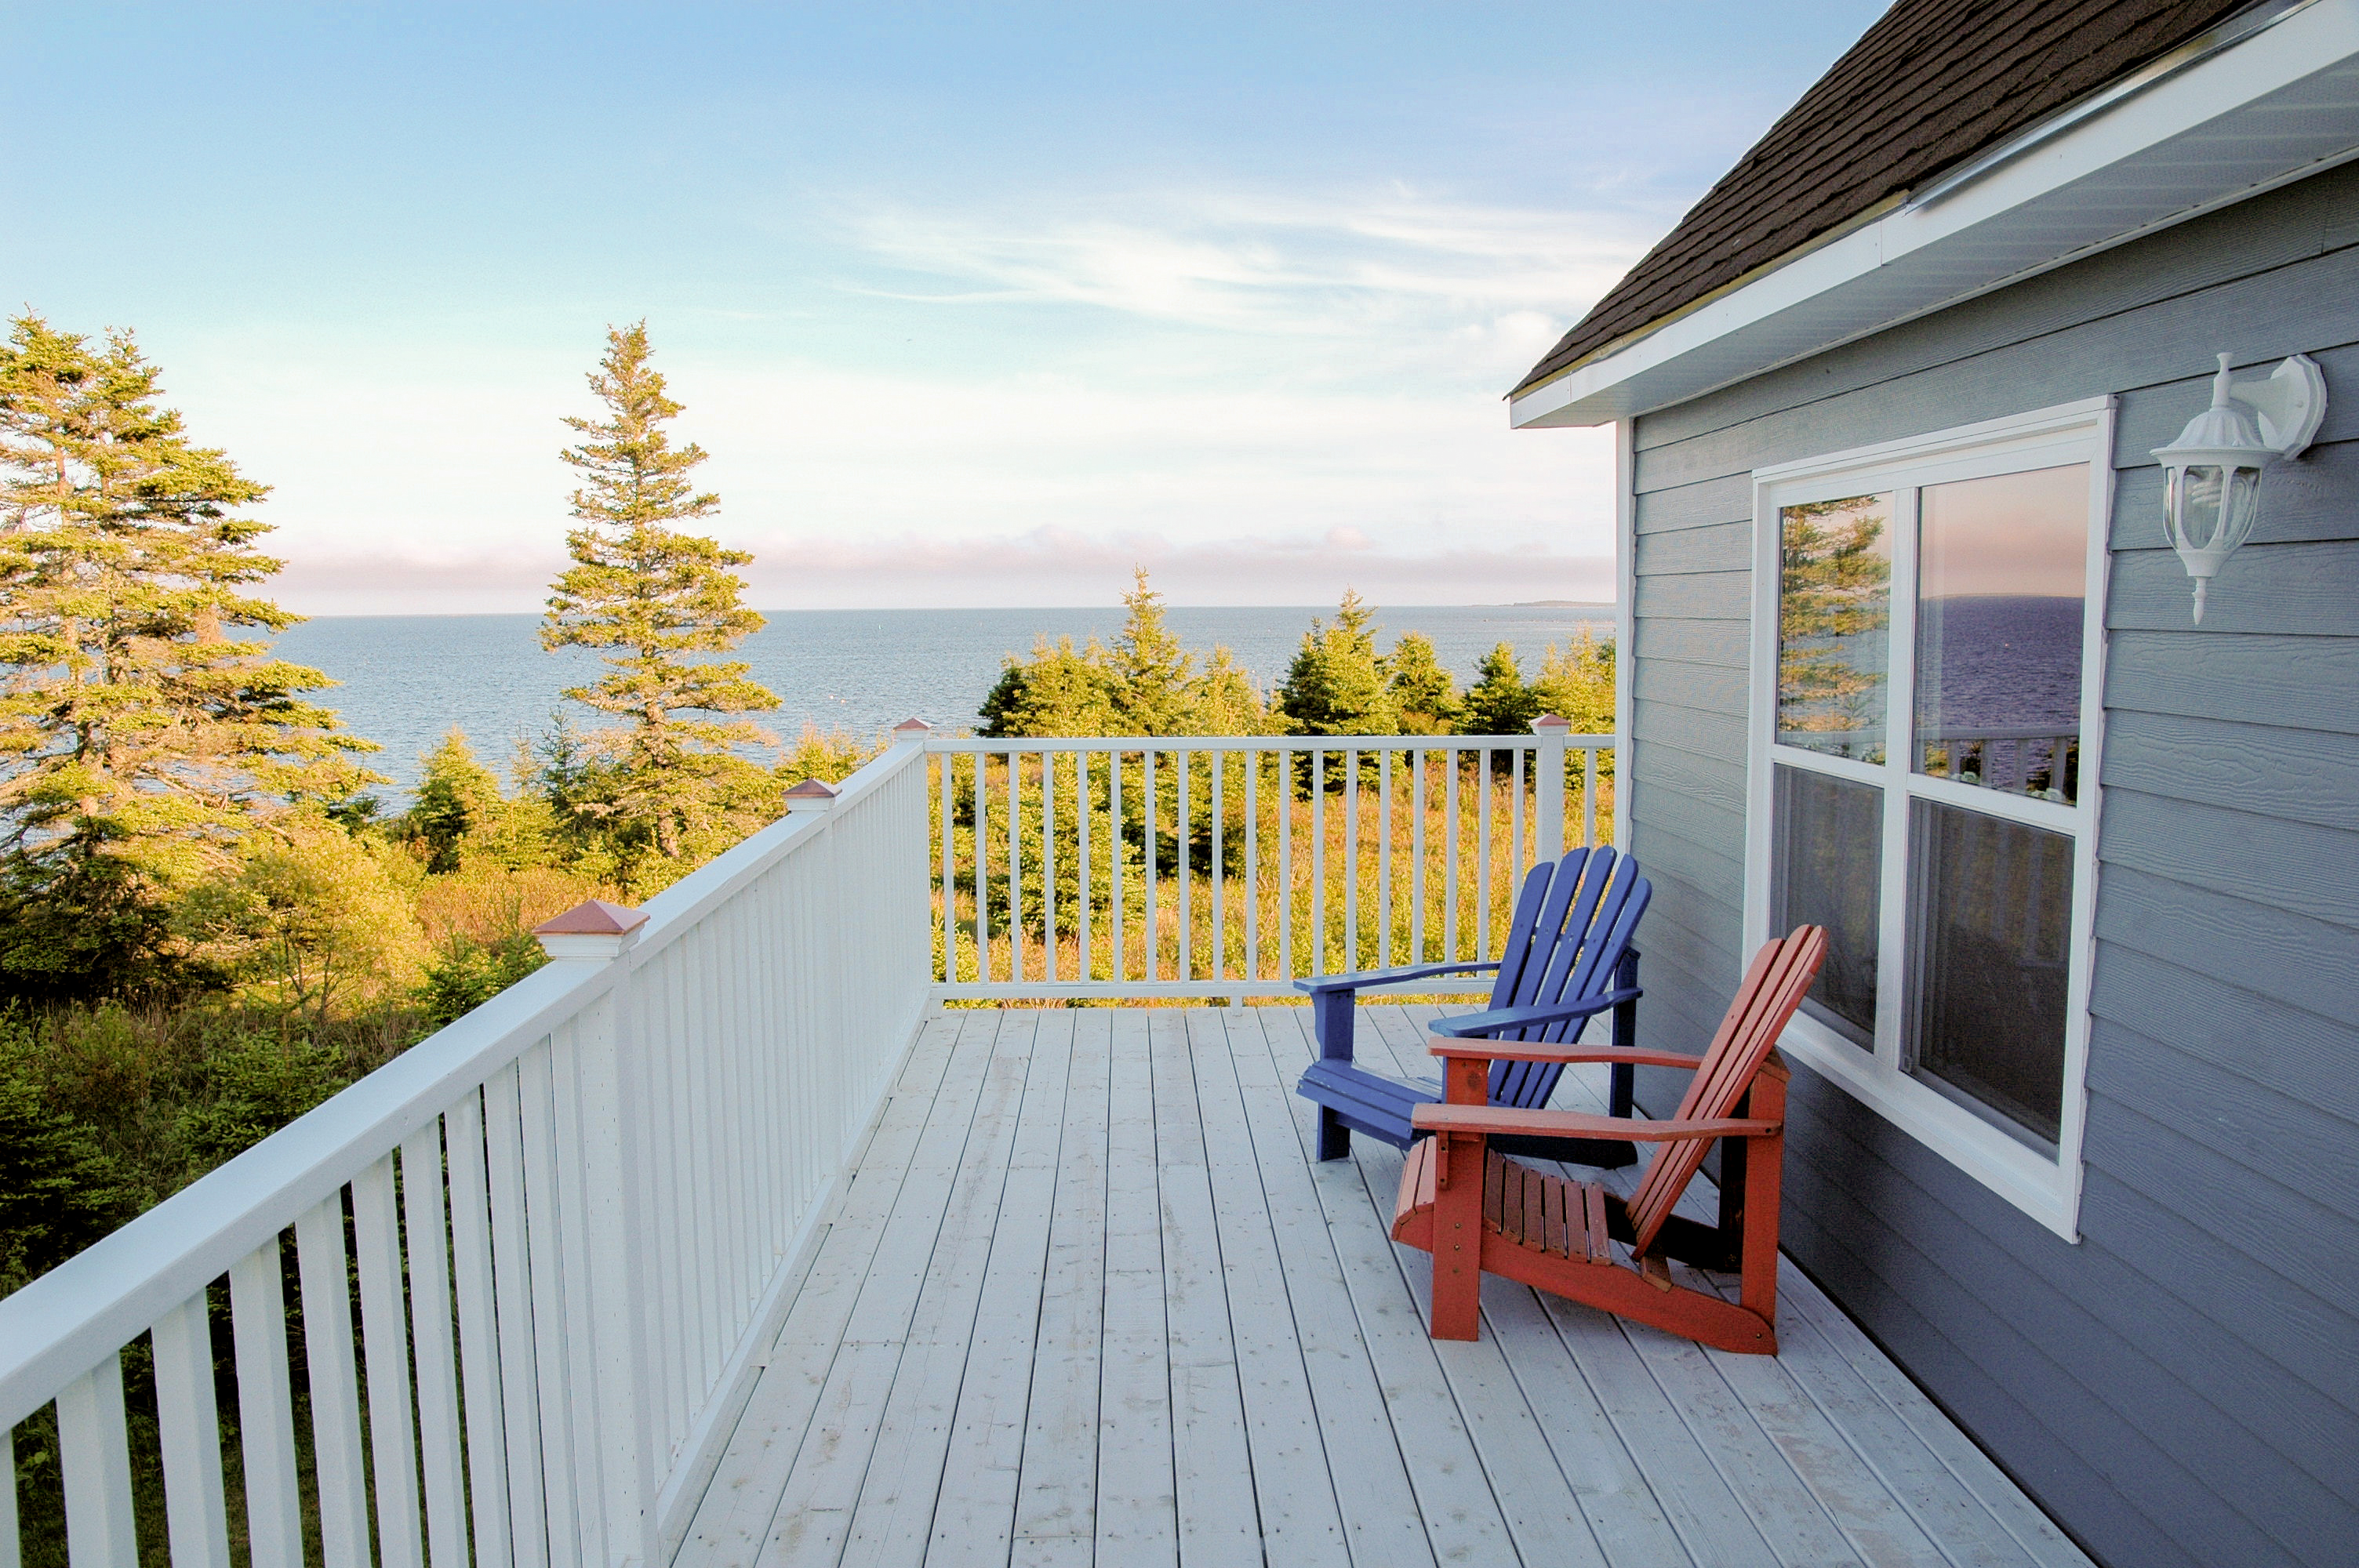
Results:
[809, 802]
[619, 1228]
[1549, 831]
[912, 734]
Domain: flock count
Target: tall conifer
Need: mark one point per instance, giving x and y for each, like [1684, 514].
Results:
[1335, 684]
[140, 740]
[647, 594]
[1423, 691]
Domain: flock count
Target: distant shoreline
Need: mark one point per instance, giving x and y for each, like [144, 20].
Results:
[1322, 609]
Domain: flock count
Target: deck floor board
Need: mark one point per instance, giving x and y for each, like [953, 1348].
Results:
[1087, 1301]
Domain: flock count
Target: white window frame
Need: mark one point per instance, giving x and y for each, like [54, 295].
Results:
[2082, 432]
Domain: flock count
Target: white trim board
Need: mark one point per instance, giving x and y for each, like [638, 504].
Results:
[2277, 105]
[2046, 1188]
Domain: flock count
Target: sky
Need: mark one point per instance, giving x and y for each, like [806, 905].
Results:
[971, 306]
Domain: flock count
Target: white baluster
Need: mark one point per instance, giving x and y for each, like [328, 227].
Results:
[94, 1451]
[1086, 828]
[1253, 865]
[266, 1411]
[1385, 857]
[189, 1428]
[335, 1390]
[1418, 761]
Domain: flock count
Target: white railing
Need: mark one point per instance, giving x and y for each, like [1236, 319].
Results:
[2024, 759]
[1228, 865]
[568, 1222]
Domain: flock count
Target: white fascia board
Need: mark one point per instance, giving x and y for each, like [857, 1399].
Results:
[2272, 107]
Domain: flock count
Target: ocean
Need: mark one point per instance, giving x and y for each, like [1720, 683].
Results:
[406, 680]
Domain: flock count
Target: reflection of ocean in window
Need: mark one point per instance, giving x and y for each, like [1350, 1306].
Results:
[2001, 565]
[1834, 615]
[2000, 661]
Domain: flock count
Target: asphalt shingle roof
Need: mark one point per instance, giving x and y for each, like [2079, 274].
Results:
[1929, 85]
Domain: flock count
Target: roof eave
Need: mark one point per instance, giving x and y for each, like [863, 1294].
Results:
[2277, 106]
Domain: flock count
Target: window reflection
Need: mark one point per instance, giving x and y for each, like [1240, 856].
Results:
[2001, 584]
[1827, 869]
[1990, 922]
[1834, 615]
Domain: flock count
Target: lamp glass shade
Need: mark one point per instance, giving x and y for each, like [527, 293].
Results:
[2211, 503]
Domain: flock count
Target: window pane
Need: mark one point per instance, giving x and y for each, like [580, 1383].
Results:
[2002, 568]
[1989, 921]
[1834, 613]
[1826, 855]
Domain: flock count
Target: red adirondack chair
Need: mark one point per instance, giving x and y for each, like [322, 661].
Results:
[1479, 1212]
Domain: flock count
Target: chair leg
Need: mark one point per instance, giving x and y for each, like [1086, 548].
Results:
[1457, 1240]
[1623, 1092]
[1334, 1138]
[1764, 1167]
[1330, 1023]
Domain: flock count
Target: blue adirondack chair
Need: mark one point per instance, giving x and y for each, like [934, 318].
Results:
[1567, 958]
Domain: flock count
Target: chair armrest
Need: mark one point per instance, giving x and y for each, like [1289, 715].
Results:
[1358, 979]
[1468, 1024]
[1542, 1051]
[1489, 1118]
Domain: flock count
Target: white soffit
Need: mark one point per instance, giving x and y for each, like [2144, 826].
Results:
[2268, 109]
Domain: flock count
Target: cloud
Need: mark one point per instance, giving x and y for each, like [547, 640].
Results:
[1044, 566]
[1250, 366]
[1284, 267]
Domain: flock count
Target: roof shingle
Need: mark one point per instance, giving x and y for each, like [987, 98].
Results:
[1929, 85]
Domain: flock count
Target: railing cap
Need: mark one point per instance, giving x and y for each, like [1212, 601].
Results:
[1547, 722]
[593, 918]
[917, 726]
[594, 929]
[811, 795]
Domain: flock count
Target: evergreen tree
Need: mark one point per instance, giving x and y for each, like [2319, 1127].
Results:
[1153, 675]
[457, 797]
[1059, 690]
[1424, 694]
[1577, 685]
[1226, 701]
[647, 594]
[59, 1191]
[140, 740]
[1335, 684]
[1500, 703]
[1834, 613]
[1147, 683]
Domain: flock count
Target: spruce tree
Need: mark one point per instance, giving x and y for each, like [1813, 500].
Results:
[1500, 703]
[457, 798]
[1153, 674]
[1335, 684]
[647, 594]
[1059, 690]
[1424, 693]
[140, 740]
[1147, 683]
[1577, 684]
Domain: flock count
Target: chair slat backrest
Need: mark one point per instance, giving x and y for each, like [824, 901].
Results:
[1517, 953]
[1602, 899]
[1780, 973]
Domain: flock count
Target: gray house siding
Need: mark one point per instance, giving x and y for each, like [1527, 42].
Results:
[2182, 1386]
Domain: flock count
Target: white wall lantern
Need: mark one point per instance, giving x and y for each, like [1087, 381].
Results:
[2212, 474]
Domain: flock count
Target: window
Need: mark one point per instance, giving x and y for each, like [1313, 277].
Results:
[1928, 632]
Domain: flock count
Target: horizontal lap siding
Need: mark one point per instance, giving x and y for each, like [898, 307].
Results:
[2178, 1387]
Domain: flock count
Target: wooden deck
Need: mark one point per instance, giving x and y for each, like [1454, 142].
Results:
[1087, 1301]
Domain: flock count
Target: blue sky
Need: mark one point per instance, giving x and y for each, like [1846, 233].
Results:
[971, 304]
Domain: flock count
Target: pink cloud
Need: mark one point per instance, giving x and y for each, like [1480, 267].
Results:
[1047, 565]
